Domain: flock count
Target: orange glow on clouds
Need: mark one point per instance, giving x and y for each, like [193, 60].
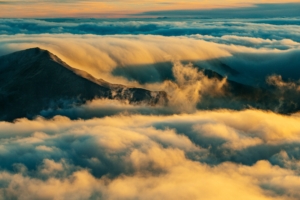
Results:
[103, 8]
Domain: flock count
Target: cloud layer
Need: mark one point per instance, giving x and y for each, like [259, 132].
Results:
[266, 28]
[118, 157]
[176, 64]
[127, 8]
[253, 58]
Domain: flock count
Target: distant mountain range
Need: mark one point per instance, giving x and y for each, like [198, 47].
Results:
[33, 80]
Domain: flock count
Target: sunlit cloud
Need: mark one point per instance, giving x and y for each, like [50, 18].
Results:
[111, 57]
[175, 64]
[116, 157]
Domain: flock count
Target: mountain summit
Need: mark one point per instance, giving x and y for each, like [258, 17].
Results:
[34, 79]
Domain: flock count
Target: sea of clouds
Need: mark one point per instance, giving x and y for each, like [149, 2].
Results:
[152, 156]
[107, 149]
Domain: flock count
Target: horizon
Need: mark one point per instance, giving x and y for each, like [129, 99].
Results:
[117, 9]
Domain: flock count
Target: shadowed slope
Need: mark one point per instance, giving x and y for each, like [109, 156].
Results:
[35, 79]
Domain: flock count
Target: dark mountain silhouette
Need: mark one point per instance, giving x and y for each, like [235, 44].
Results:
[35, 79]
[240, 96]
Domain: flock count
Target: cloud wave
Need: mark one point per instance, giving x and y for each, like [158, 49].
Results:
[117, 157]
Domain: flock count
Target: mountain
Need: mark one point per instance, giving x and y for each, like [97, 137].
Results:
[238, 96]
[34, 79]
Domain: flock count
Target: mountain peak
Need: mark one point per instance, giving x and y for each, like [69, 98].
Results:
[27, 57]
[34, 79]
[35, 51]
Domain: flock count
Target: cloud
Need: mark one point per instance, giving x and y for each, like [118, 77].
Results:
[184, 94]
[101, 55]
[258, 43]
[105, 107]
[158, 155]
[260, 10]
[129, 8]
[177, 65]
[272, 28]
[276, 80]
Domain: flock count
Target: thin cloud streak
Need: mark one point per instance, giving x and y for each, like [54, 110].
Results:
[108, 9]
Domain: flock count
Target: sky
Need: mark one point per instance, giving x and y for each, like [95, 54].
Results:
[114, 9]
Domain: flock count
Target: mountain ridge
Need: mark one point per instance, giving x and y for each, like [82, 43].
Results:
[35, 79]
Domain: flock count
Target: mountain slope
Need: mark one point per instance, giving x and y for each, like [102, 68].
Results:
[34, 79]
[240, 96]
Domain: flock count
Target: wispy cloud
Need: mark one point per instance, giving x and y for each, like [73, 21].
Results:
[102, 8]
